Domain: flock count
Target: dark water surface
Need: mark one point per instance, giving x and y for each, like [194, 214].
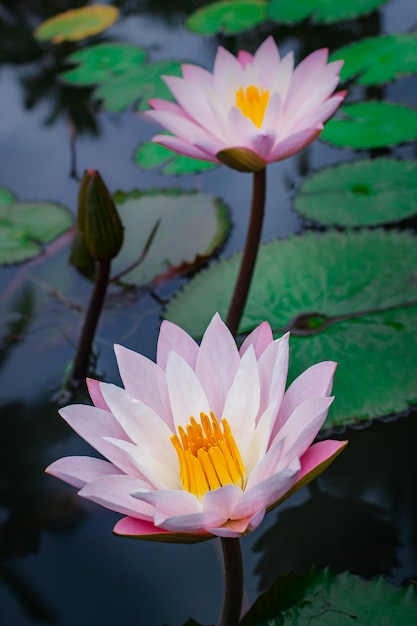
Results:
[61, 564]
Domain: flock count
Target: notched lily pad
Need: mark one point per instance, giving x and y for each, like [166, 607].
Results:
[191, 227]
[121, 75]
[227, 16]
[367, 125]
[77, 24]
[326, 11]
[362, 193]
[26, 227]
[103, 62]
[326, 599]
[332, 290]
[151, 154]
[378, 60]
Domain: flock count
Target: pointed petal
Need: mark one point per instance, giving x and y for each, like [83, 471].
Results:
[145, 381]
[80, 470]
[93, 425]
[93, 387]
[242, 402]
[185, 391]
[317, 380]
[303, 425]
[172, 337]
[217, 364]
[113, 492]
[260, 338]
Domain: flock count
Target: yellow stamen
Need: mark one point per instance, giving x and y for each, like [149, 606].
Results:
[208, 456]
[253, 102]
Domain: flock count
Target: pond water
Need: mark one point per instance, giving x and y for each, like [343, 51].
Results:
[60, 562]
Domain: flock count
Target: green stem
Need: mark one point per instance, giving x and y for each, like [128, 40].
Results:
[82, 357]
[233, 584]
[250, 252]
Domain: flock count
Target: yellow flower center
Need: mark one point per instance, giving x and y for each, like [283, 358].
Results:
[208, 455]
[253, 102]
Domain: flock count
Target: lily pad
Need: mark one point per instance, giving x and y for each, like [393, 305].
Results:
[325, 11]
[121, 75]
[77, 24]
[227, 16]
[103, 62]
[378, 60]
[151, 154]
[26, 227]
[332, 290]
[362, 193]
[326, 599]
[367, 125]
[192, 225]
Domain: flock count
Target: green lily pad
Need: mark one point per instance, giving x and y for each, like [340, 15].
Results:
[378, 60]
[332, 290]
[325, 11]
[140, 84]
[367, 125]
[103, 62]
[326, 599]
[26, 227]
[227, 16]
[121, 75]
[362, 193]
[151, 154]
[192, 225]
[77, 24]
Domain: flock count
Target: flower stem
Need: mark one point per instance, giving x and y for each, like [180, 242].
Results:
[80, 369]
[233, 586]
[250, 252]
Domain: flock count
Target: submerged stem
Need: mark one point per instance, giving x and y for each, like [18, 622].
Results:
[80, 369]
[233, 584]
[250, 252]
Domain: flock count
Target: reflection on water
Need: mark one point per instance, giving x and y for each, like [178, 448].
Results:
[60, 563]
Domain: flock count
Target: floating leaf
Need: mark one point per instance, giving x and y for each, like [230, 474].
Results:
[332, 290]
[326, 599]
[77, 24]
[366, 125]
[141, 83]
[362, 193]
[151, 154]
[192, 225]
[25, 227]
[227, 16]
[378, 60]
[327, 11]
[103, 62]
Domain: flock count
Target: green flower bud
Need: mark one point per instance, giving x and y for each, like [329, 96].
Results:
[98, 220]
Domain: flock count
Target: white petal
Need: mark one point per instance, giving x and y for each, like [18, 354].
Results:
[185, 391]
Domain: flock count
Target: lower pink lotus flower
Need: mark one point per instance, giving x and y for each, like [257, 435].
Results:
[205, 441]
[252, 110]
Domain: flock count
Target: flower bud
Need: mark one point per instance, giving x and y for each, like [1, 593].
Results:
[98, 220]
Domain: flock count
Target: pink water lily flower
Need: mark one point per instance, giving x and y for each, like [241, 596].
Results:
[252, 110]
[205, 441]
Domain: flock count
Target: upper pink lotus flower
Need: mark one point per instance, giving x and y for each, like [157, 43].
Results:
[205, 441]
[252, 110]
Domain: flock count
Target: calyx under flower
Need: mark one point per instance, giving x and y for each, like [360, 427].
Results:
[241, 159]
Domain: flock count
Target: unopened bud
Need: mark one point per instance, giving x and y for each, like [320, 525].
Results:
[98, 220]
